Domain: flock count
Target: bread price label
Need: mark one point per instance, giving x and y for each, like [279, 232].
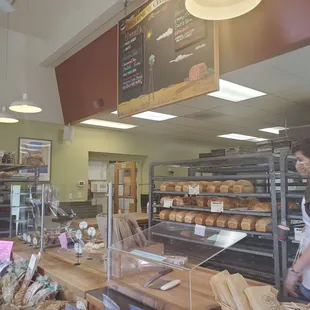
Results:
[193, 190]
[200, 230]
[217, 206]
[168, 203]
[297, 233]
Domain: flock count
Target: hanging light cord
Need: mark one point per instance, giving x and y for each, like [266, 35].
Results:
[6, 53]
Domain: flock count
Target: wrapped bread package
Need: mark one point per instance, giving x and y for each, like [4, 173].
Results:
[227, 186]
[180, 217]
[234, 221]
[227, 202]
[237, 284]
[201, 202]
[190, 217]
[264, 224]
[248, 222]
[260, 206]
[172, 216]
[221, 290]
[167, 187]
[243, 186]
[222, 220]
[263, 298]
[164, 214]
[211, 219]
[200, 218]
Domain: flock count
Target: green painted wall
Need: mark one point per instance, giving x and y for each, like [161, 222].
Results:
[70, 160]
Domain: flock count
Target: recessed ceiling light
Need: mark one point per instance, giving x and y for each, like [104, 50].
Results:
[114, 112]
[154, 116]
[102, 123]
[274, 130]
[237, 136]
[234, 92]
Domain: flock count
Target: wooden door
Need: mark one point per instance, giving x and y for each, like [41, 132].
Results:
[125, 187]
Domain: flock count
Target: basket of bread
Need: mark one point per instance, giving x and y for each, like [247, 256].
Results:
[232, 292]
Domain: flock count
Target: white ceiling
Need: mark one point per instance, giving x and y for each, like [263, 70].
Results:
[285, 79]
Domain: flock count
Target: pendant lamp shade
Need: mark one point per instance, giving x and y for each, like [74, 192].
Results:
[24, 106]
[6, 117]
[220, 9]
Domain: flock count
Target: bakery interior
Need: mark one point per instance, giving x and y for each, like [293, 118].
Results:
[94, 203]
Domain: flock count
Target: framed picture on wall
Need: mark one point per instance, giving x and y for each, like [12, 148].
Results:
[36, 153]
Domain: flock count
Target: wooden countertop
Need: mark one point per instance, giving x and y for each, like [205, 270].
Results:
[76, 279]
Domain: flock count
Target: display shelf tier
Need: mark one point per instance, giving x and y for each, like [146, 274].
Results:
[295, 195]
[12, 167]
[217, 229]
[232, 211]
[295, 175]
[16, 179]
[295, 216]
[245, 195]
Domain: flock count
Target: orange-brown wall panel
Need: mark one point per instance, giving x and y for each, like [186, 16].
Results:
[273, 28]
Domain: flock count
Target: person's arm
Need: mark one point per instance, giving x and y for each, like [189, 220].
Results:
[303, 262]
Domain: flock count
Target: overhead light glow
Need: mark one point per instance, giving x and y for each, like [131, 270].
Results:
[102, 123]
[220, 9]
[237, 136]
[274, 130]
[114, 112]
[235, 92]
[154, 116]
[6, 117]
[24, 106]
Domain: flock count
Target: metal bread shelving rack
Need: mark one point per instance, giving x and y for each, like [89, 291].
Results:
[258, 255]
[7, 178]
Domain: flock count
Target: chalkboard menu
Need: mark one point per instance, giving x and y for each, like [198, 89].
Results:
[165, 55]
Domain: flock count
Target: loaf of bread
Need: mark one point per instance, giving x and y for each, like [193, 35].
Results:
[201, 202]
[248, 222]
[190, 217]
[251, 202]
[214, 188]
[172, 215]
[203, 186]
[200, 218]
[164, 214]
[227, 186]
[211, 219]
[167, 187]
[179, 187]
[243, 186]
[243, 203]
[235, 202]
[261, 206]
[178, 201]
[234, 222]
[187, 184]
[264, 224]
[187, 201]
[227, 202]
[222, 220]
[180, 217]
[162, 199]
[291, 205]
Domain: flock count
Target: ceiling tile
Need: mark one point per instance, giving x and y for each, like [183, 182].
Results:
[177, 110]
[265, 78]
[298, 94]
[204, 102]
[127, 120]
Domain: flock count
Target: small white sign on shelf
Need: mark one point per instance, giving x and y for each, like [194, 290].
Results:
[217, 206]
[200, 230]
[297, 233]
[168, 203]
[193, 190]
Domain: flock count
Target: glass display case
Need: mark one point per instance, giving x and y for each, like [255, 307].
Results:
[162, 264]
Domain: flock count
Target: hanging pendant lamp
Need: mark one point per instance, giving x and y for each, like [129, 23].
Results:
[24, 106]
[220, 9]
[6, 117]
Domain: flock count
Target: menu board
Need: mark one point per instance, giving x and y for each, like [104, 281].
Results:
[165, 55]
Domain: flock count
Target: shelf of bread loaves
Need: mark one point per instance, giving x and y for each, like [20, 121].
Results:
[254, 225]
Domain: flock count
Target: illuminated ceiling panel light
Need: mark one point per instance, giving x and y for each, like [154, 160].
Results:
[234, 92]
[6, 117]
[274, 130]
[237, 136]
[24, 106]
[102, 123]
[154, 116]
[220, 9]
[114, 112]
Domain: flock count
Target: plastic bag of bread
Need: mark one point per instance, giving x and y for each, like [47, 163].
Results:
[164, 214]
[263, 298]
[211, 219]
[264, 224]
[220, 288]
[234, 222]
[190, 217]
[222, 220]
[179, 187]
[260, 206]
[200, 218]
[172, 216]
[180, 216]
[227, 202]
[162, 199]
[248, 222]
[237, 284]
[243, 186]
[227, 186]
[167, 187]
[202, 202]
